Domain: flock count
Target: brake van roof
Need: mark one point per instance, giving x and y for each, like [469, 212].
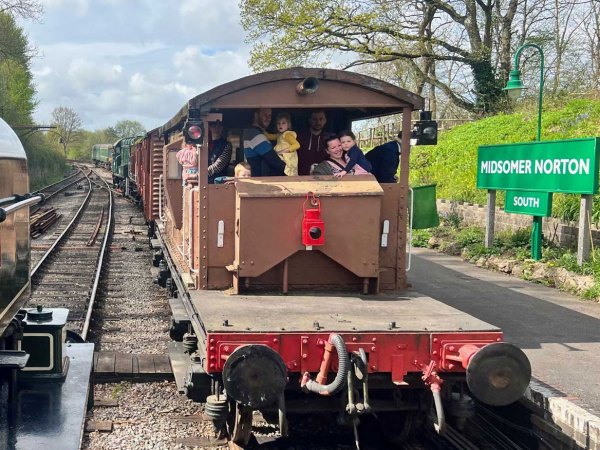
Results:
[337, 89]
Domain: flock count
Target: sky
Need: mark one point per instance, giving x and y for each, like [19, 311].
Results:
[133, 59]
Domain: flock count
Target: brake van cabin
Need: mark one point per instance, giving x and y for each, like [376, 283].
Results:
[249, 235]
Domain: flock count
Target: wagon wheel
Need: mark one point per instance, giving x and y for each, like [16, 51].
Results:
[240, 425]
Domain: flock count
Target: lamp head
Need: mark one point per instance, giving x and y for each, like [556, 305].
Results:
[514, 87]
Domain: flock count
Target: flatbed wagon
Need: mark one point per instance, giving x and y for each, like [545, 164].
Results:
[297, 285]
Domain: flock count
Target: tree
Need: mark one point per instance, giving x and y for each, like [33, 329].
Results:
[289, 33]
[68, 125]
[26, 9]
[17, 91]
[128, 128]
[82, 149]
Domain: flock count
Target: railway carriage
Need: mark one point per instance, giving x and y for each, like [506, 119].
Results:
[123, 150]
[292, 291]
[44, 382]
[102, 155]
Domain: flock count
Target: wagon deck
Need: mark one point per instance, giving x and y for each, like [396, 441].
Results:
[411, 312]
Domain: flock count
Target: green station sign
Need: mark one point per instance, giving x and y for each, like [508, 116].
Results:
[530, 203]
[569, 166]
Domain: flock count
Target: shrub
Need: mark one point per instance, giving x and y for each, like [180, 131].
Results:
[452, 164]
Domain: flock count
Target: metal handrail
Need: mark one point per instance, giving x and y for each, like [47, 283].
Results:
[14, 198]
[29, 201]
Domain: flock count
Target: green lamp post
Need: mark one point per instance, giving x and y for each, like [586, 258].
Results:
[514, 88]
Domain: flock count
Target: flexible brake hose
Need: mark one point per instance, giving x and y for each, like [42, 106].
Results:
[340, 379]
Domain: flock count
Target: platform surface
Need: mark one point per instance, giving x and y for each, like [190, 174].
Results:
[559, 333]
[49, 415]
[411, 311]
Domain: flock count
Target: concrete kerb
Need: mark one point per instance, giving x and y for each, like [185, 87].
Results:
[569, 414]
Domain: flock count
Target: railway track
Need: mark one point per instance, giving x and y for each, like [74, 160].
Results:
[67, 271]
[55, 188]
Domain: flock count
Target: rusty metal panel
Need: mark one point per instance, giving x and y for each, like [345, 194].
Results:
[401, 282]
[343, 80]
[195, 248]
[282, 94]
[219, 278]
[310, 270]
[360, 185]
[155, 169]
[14, 232]
[388, 256]
[270, 231]
[172, 188]
[221, 208]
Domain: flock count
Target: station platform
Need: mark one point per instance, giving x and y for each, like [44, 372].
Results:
[47, 414]
[559, 333]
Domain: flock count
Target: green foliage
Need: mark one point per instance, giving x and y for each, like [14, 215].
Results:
[452, 219]
[46, 164]
[420, 238]
[291, 33]
[592, 293]
[469, 236]
[17, 91]
[126, 128]
[18, 102]
[82, 150]
[452, 164]
[568, 260]
[565, 207]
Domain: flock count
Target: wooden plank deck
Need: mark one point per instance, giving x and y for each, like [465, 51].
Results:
[111, 367]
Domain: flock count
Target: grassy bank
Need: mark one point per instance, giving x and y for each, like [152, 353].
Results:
[452, 164]
[46, 165]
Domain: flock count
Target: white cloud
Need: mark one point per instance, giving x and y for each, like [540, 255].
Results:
[134, 59]
[80, 6]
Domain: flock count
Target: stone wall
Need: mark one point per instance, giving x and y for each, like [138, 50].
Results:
[562, 233]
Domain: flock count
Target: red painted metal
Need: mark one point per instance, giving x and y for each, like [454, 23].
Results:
[312, 221]
[454, 350]
[387, 352]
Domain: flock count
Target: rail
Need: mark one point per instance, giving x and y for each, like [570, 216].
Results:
[58, 182]
[66, 230]
[109, 219]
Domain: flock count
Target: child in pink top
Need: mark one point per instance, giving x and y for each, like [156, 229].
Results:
[188, 159]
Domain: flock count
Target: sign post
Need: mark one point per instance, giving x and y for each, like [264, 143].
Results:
[532, 203]
[531, 171]
[514, 87]
[568, 166]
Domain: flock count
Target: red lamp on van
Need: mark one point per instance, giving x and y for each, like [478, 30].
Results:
[313, 227]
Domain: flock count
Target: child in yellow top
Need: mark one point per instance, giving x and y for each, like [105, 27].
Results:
[286, 143]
